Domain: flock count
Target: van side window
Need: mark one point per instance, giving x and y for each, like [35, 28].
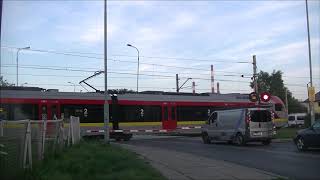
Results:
[213, 117]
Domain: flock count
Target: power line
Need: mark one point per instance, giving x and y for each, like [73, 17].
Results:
[67, 67]
[129, 73]
[73, 53]
[76, 54]
[52, 75]
[94, 57]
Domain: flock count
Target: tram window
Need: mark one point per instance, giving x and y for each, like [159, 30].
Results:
[4, 112]
[193, 113]
[86, 113]
[173, 113]
[165, 113]
[278, 107]
[25, 111]
[54, 112]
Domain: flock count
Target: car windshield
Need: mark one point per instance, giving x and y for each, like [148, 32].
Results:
[316, 125]
[260, 116]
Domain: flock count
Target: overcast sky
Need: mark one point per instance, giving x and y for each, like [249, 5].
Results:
[184, 37]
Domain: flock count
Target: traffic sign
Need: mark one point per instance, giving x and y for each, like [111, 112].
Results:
[311, 94]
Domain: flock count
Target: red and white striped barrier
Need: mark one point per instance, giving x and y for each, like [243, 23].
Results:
[144, 130]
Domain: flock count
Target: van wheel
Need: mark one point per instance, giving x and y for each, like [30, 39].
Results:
[239, 140]
[266, 142]
[206, 138]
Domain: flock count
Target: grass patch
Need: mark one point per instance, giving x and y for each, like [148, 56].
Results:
[94, 160]
[288, 132]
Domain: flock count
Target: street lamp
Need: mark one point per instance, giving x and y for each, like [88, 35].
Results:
[19, 49]
[74, 86]
[138, 66]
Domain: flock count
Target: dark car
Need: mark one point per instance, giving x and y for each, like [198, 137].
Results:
[309, 137]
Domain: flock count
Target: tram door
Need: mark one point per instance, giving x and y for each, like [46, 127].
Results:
[169, 116]
[49, 110]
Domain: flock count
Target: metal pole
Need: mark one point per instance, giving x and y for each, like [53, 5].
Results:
[255, 82]
[310, 64]
[138, 73]
[106, 105]
[1, 2]
[17, 59]
[177, 83]
[287, 106]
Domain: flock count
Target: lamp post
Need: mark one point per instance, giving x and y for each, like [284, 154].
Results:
[74, 86]
[138, 66]
[19, 49]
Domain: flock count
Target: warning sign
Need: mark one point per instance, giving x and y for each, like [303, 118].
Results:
[311, 94]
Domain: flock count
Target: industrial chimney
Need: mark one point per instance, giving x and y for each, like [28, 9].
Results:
[193, 87]
[212, 80]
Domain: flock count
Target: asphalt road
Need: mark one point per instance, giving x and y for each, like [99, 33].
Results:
[279, 158]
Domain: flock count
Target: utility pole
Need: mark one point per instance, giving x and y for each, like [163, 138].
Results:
[287, 106]
[177, 83]
[310, 65]
[106, 104]
[255, 83]
[1, 2]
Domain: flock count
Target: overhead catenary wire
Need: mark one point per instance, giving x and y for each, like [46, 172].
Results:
[131, 73]
[80, 54]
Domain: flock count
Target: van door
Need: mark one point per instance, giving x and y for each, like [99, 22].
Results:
[261, 123]
[213, 125]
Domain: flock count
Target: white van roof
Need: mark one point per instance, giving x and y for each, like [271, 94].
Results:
[298, 114]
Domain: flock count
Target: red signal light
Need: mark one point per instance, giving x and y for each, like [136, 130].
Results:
[265, 96]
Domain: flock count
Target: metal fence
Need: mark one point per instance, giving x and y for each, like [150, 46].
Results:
[25, 142]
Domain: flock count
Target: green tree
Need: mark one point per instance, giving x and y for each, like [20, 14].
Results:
[273, 83]
[4, 82]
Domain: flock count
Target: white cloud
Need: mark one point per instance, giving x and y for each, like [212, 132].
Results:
[93, 35]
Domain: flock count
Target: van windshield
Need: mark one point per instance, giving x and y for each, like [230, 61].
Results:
[260, 116]
[291, 118]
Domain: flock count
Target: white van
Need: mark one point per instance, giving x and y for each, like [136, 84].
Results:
[239, 126]
[296, 119]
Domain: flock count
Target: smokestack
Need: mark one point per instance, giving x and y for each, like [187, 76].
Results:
[218, 88]
[212, 80]
[193, 87]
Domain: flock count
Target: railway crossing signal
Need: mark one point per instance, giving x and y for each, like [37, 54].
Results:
[253, 97]
[265, 96]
